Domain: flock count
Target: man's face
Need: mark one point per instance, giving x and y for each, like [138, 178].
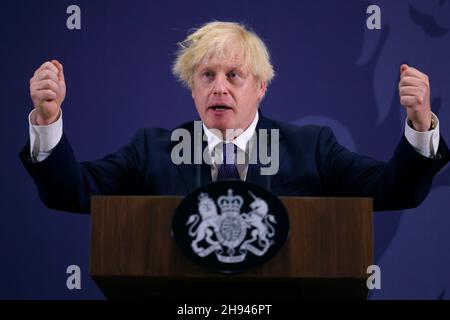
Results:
[226, 94]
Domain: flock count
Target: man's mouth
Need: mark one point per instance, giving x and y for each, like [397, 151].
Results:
[220, 107]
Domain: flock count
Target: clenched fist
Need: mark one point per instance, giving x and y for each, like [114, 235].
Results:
[48, 90]
[414, 91]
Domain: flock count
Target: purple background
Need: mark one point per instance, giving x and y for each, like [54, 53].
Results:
[329, 70]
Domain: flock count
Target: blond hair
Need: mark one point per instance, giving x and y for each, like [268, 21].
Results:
[225, 39]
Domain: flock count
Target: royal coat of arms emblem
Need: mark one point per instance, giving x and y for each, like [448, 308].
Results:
[231, 225]
[225, 232]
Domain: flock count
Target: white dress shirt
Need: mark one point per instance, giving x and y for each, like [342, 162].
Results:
[242, 142]
[44, 138]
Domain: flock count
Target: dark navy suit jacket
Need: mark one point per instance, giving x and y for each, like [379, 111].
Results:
[312, 163]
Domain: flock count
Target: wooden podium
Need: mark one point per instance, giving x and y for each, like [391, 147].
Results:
[133, 254]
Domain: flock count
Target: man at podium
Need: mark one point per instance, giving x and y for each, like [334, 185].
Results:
[228, 70]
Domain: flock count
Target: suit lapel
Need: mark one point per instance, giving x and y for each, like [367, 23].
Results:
[195, 175]
[254, 170]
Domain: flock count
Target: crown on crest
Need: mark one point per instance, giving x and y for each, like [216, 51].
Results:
[230, 203]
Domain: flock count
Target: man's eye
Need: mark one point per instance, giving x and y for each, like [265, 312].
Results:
[232, 75]
[208, 74]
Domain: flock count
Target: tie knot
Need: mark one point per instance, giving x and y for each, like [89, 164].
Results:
[229, 153]
[228, 169]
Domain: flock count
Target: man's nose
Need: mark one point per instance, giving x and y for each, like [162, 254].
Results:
[220, 85]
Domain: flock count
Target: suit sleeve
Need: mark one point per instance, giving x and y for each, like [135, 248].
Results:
[64, 184]
[402, 182]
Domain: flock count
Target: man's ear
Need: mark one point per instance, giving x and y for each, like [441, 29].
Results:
[262, 88]
[191, 87]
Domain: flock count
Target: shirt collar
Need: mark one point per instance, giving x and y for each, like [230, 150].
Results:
[241, 141]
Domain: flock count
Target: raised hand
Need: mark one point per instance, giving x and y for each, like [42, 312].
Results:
[48, 90]
[414, 91]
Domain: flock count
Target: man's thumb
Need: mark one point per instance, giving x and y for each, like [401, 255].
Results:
[60, 69]
[403, 67]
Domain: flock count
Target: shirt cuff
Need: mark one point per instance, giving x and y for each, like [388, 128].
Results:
[426, 143]
[44, 138]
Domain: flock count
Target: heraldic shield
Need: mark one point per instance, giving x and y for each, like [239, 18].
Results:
[230, 226]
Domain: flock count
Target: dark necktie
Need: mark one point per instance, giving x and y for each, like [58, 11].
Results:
[228, 170]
